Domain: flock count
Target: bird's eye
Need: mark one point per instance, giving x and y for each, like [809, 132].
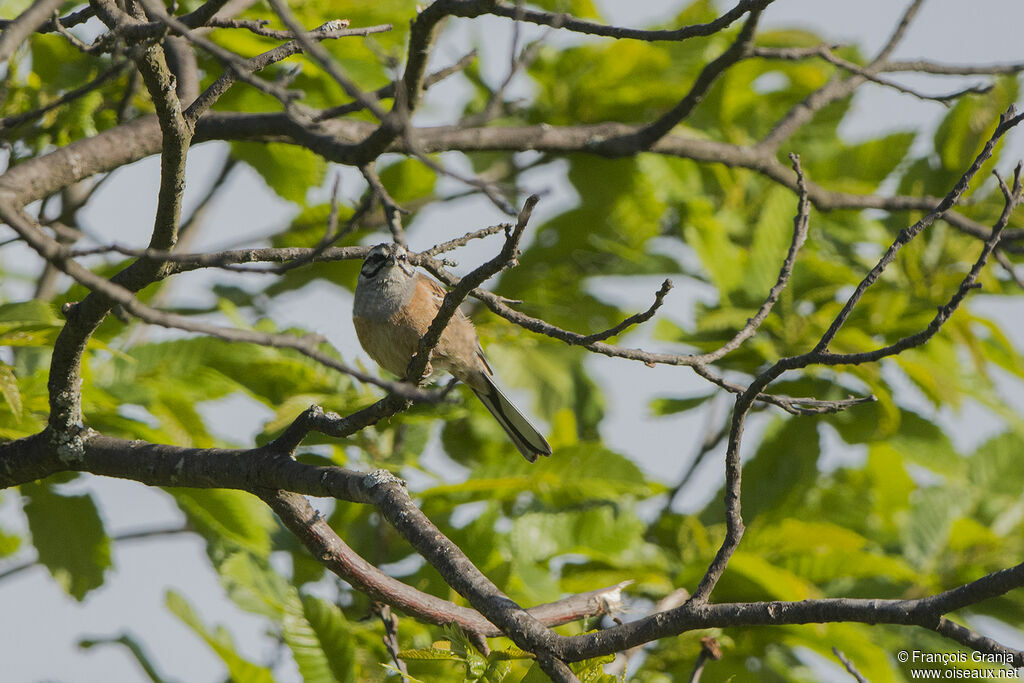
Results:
[403, 257]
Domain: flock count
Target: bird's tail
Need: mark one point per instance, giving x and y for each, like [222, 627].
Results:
[524, 435]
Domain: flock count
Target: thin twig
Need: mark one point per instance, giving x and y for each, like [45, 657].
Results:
[466, 239]
[575, 25]
[825, 52]
[506, 258]
[820, 354]
[1006, 122]
[390, 637]
[388, 91]
[850, 667]
[13, 121]
[392, 211]
[74, 19]
[1008, 266]
[307, 346]
[708, 650]
[332, 234]
[258, 26]
[322, 57]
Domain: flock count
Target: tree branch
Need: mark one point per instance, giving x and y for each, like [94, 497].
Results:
[28, 22]
[462, 287]
[474, 8]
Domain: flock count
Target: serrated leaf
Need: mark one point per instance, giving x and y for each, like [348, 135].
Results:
[220, 641]
[581, 472]
[995, 466]
[931, 517]
[9, 389]
[604, 534]
[431, 654]
[254, 586]
[223, 516]
[772, 235]
[68, 534]
[963, 130]
[322, 649]
[289, 170]
[782, 470]
[333, 633]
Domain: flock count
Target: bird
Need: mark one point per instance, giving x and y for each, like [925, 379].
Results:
[393, 307]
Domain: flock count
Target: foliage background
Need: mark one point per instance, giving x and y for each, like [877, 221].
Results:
[911, 495]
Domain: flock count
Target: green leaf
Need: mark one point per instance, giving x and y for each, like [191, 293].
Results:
[860, 643]
[12, 8]
[932, 515]
[58, 63]
[334, 636]
[822, 552]
[592, 670]
[254, 586]
[772, 235]
[28, 323]
[723, 261]
[408, 180]
[398, 672]
[923, 443]
[670, 406]
[289, 170]
[581, 472]
[964, 129]
[587, 671]
[584, 9]
[9, 389]
[224, 516]
[220, 641]
[68, 534]
[134, 648]
[759, 579]
[315, 631]
[9, 543]
[782, 470]
[995, 467]
[432, 654]
[602, 533]
[864, 166]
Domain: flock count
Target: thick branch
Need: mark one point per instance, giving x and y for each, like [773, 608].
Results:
[158, 465]
[325, 545]
[29, 21]
[176, 135]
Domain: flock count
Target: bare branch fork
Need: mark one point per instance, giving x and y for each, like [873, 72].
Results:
[461, 289]
[744, 401]
[270, 472]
